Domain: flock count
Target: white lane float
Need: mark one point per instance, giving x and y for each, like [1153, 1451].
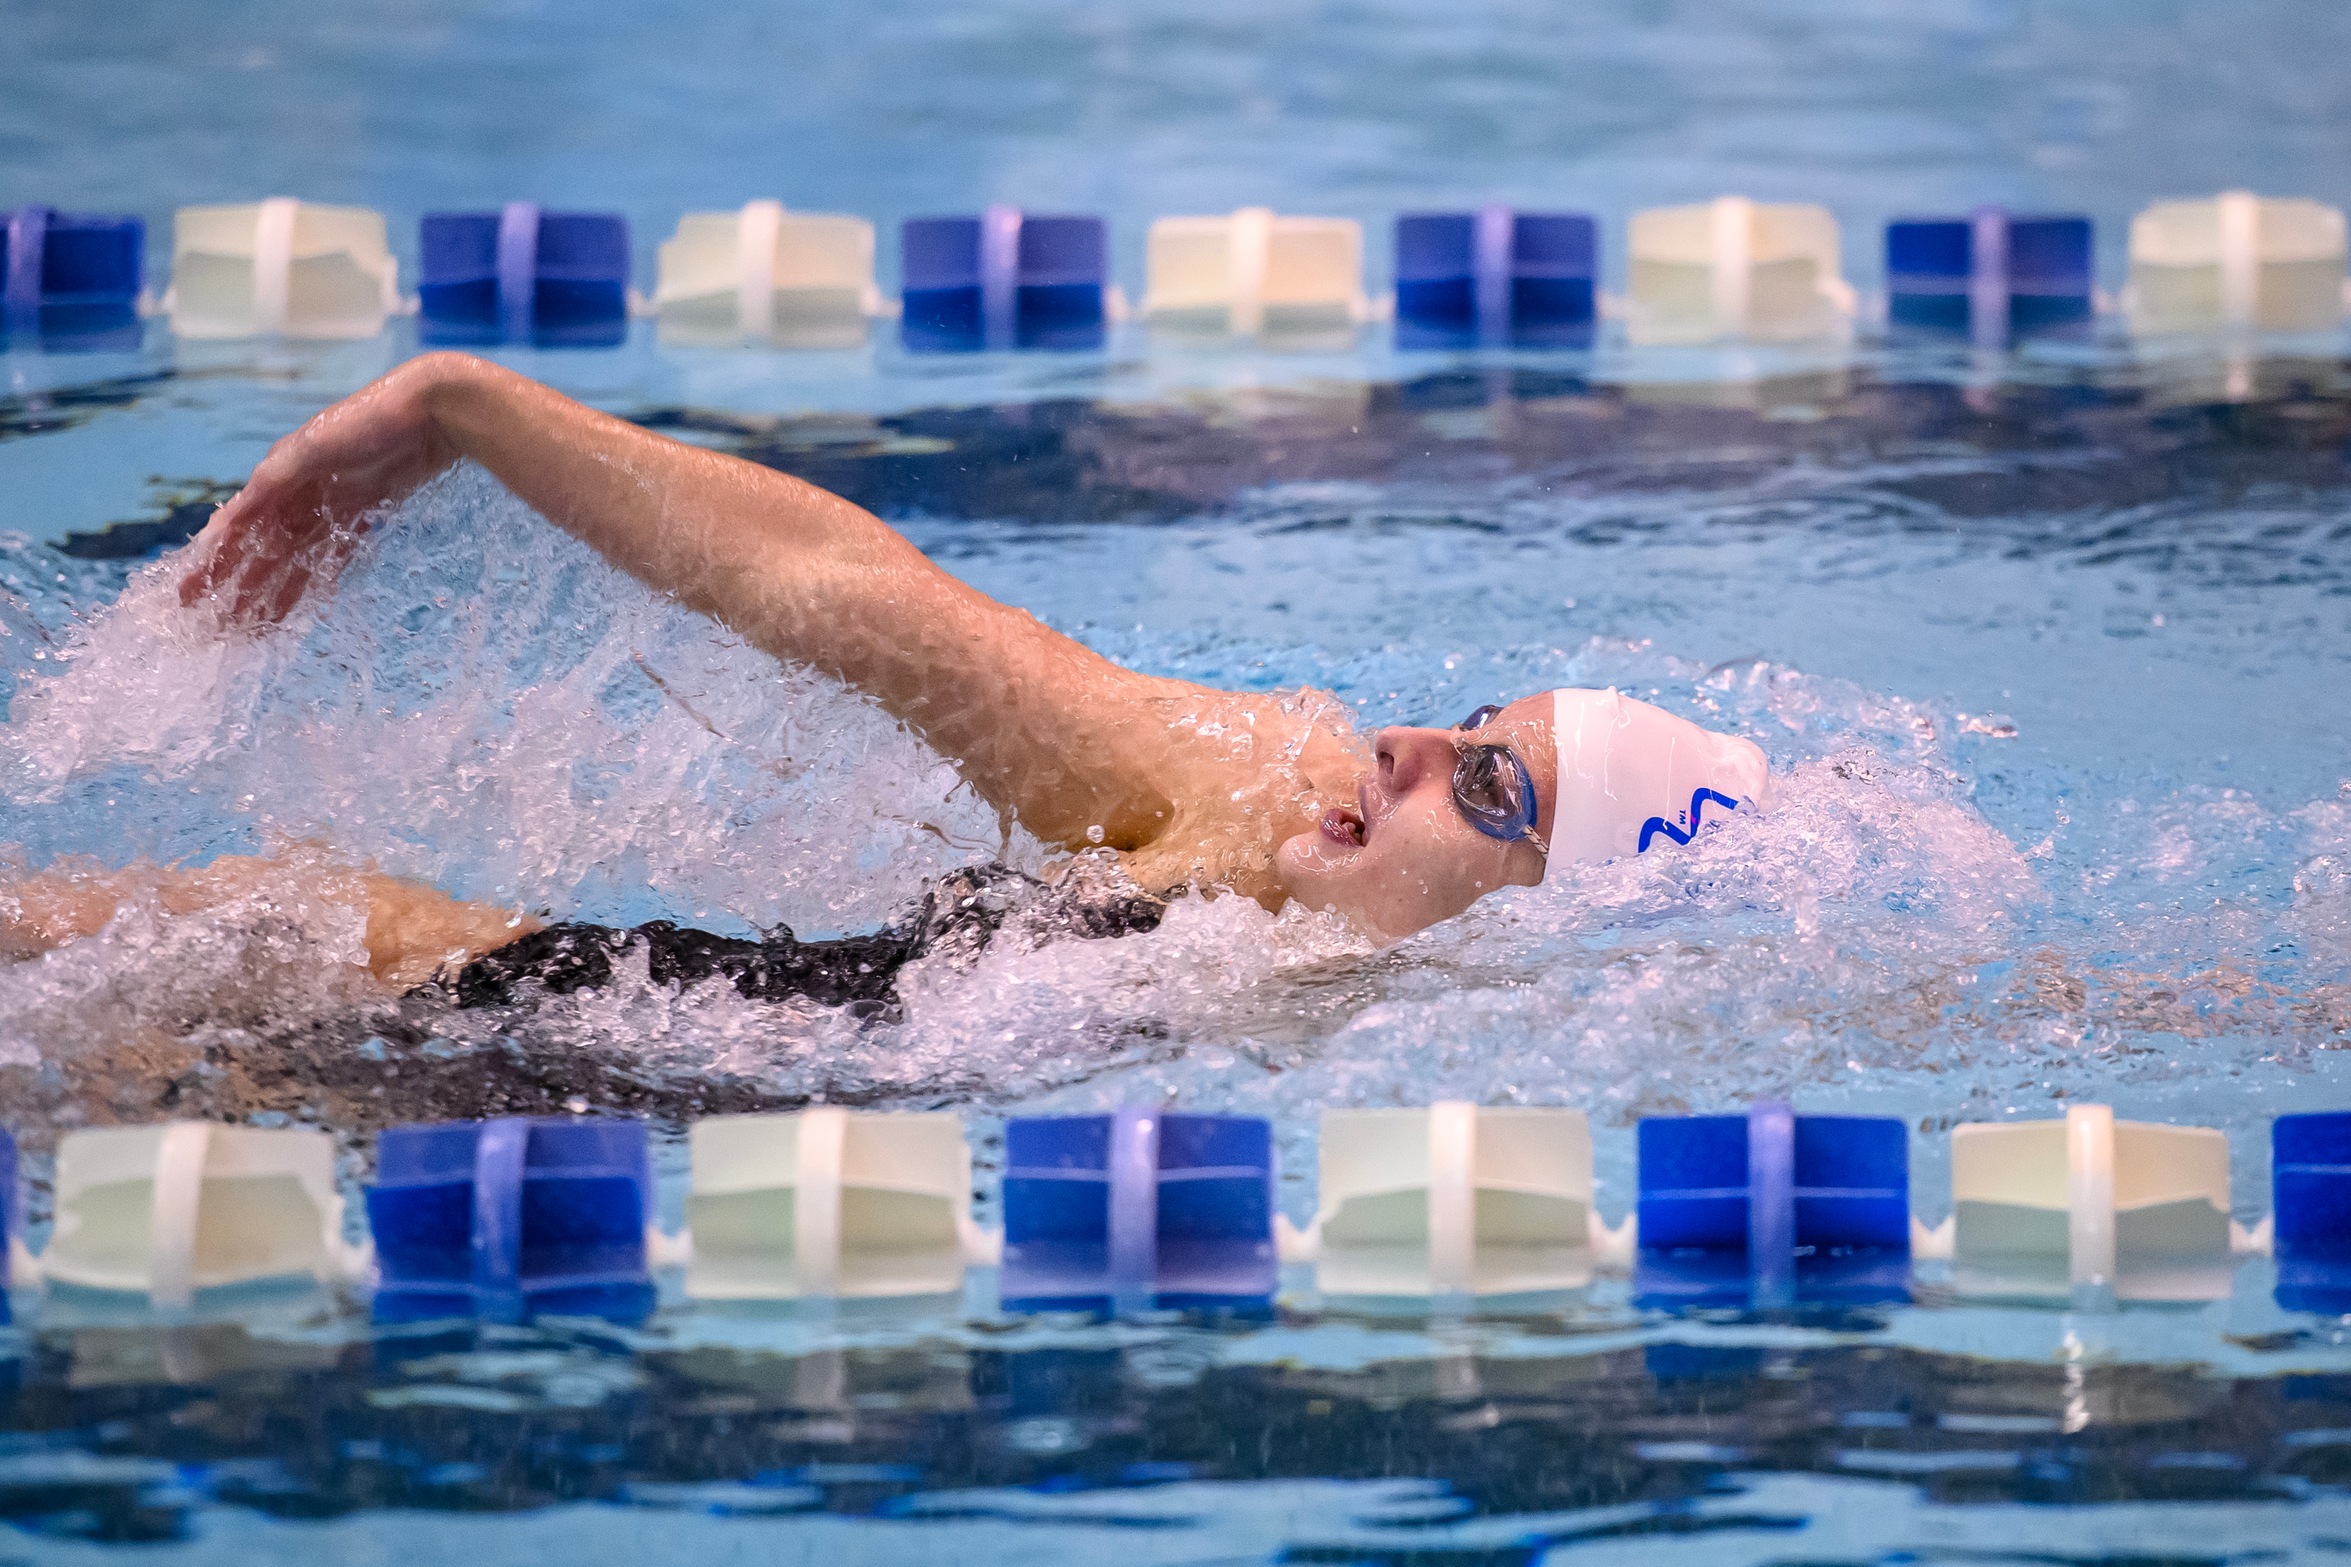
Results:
[281, 268]
[2237, 262]
[767, 276]
[1733, 270]
[829, 1203]
[1454, 1201]
[2091, 1208]
[1255, 275]
[166, 1211]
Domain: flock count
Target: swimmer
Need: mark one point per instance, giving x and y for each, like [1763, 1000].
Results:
[1273, 797]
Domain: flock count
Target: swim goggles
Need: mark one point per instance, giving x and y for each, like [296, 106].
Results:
[1491, 786]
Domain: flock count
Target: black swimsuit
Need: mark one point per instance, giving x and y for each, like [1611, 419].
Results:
[956, 919]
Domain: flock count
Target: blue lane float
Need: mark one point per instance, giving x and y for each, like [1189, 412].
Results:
[1496, 278]
[1989, 276]
[71, 280]
[2310, 1211]
[1137, 1209]
[511, 1219]
[1771, 1209]
[522, 275]
[1004, 279]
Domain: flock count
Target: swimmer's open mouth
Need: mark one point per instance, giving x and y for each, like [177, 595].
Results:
[1350, 827]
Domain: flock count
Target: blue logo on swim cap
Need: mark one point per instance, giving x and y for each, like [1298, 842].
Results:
[1698, 798]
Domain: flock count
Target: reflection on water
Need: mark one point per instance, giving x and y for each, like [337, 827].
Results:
[2012, 460]
[1526, 1434]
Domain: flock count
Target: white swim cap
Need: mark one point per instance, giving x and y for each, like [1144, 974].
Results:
[1631, 774]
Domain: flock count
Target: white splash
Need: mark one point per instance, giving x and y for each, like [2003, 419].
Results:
[484, 705]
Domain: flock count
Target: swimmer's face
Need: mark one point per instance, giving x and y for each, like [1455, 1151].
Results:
[1404, 856]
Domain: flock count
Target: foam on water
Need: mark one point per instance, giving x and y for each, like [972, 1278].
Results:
[484, 705]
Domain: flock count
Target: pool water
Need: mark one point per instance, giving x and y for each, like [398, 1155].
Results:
[2049, 654]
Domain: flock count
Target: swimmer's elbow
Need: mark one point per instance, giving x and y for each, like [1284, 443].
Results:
[415, 932]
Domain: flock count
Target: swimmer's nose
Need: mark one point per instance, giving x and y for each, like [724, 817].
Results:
[1408, 756]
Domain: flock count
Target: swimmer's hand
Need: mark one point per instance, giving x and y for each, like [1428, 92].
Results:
[312, 499]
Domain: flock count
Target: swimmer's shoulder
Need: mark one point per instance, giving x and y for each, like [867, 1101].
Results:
[1246, 769]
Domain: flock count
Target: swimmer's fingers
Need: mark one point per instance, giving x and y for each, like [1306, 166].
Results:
[242, 529]
[249, 551]
[274, 600]
[266, 585]
[220, 549]
[259, 553]
[270, 594]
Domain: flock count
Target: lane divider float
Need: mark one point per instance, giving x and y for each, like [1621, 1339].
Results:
[166, 1211]
[1152, 1208]
[1990, 277]
[1255, 275]
[1141, 1208]
[1735, 270]
[2091, 1209]
[1004, 279]
[1496, 278]
[281, 268]
[523, 275]
[71, 280]
[767, 276]
[512, 1218]
[1454, 1201]
[1771, 1209]
[2236, 263]
[827, 1203]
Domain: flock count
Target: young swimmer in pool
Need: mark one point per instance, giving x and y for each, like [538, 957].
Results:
[1272, 797]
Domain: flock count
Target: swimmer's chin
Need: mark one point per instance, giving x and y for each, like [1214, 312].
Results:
[1308, 861]
[1309, 864]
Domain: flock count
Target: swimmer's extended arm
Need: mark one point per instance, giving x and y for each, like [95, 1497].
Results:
[413, 931]
[1042, 726]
